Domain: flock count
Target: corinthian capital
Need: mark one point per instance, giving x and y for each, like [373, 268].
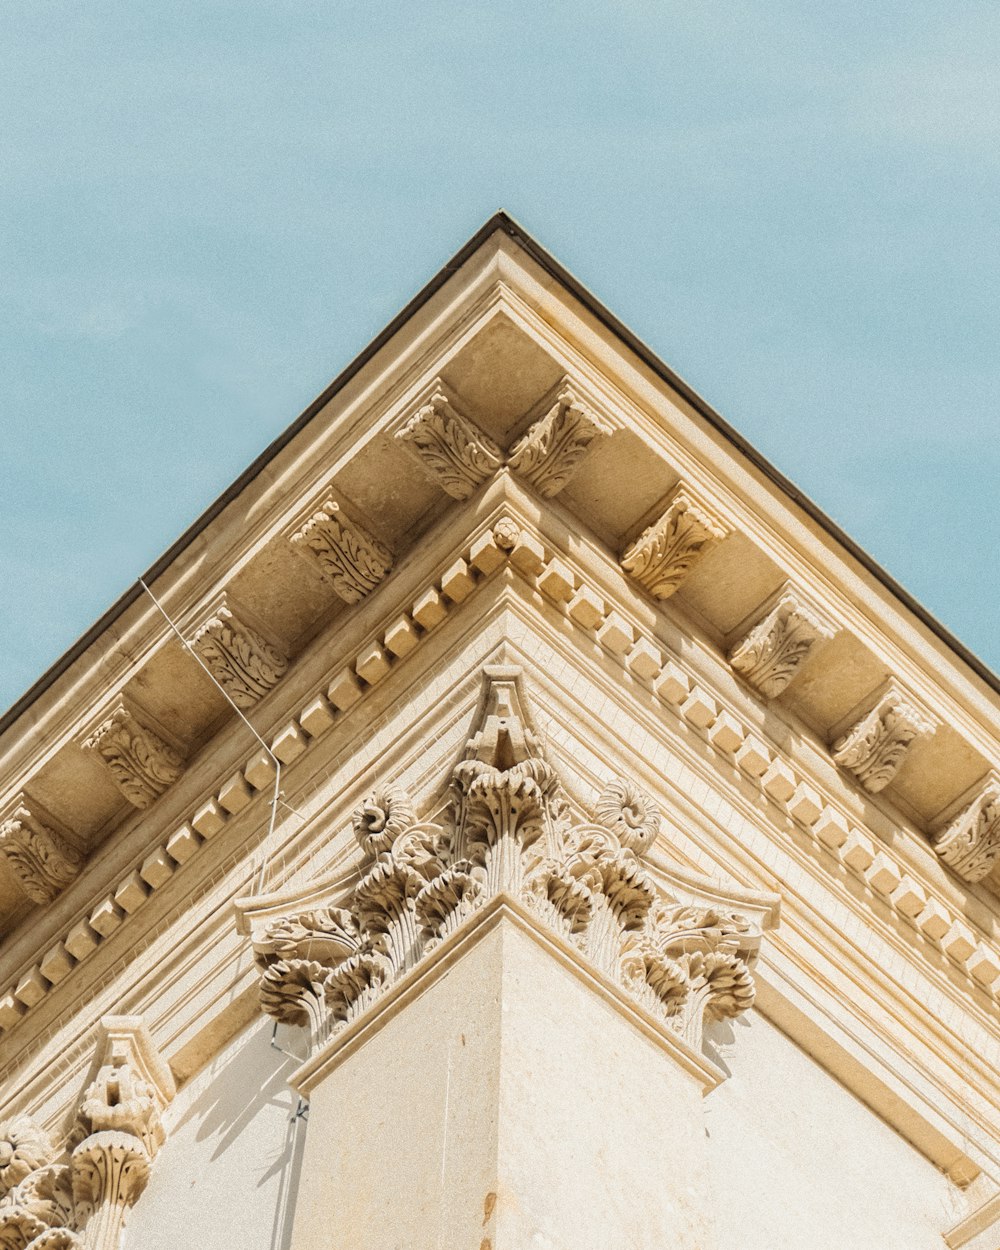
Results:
[506, 836]
[663, 555]
[141, 762]
[451, 450]
[43, 861]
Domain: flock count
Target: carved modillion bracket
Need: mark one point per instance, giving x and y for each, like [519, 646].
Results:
[772, 652]
[82, 1203]
[43, 860]
[140, 756]
[451, 450]
[874, 747]
[549, 453]
[970, 843]
[242, 660]
[665, 553]
[341, 551]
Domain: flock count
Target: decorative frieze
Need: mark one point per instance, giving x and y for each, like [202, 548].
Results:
[548, 454]
[43, 861]
[141, 762]
[774, 650]
[344, 553]
[971, 843]
[240, 658]
[508, 832]
[81, 1203]
[874, 748]
[451, 450]
[664, 554]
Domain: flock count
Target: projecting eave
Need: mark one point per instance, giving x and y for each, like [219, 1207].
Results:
[503, 368]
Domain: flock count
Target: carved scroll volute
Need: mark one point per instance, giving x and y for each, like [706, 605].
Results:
[874, 748]
[549, 453]
[506, 834]
[119, 1130]
[770, 655]
[664, 554]
[240, 658]
[353, 561]
[451, 450]
[970, 844]
[82, 1204]
[136, 753]
[42, 859]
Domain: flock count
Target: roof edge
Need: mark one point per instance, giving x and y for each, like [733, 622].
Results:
[501, 221]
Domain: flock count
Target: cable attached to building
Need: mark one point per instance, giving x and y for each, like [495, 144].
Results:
[276, 796]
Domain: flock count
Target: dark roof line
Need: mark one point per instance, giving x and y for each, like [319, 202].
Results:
[499, 221]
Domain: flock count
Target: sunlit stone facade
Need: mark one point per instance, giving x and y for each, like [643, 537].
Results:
[512, 818]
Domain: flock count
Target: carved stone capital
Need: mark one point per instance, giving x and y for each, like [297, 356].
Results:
[141, 762]
[240, 658]
[451, 450]
[82, 1204]
[774, 650]
[548, 454]
[43, 861]
[507, 834]
[971, 843]
[874, 747]
[343, 552]
[664, 554]
[24, 1147]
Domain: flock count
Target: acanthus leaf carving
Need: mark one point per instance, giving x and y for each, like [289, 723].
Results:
[774, 650]
[451, 450]
[550, 451]
[42, 860]
[664, 554]
[874, 748]
[141, 762]
[351, 559]
[506, 833]
[81, 1204]
[240, 658]
[971, 842]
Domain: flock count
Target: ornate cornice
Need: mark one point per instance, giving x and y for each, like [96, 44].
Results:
[240, 658]
[874, 747]
[43, 861]
[451, 450]
[142, 764]
[509, 833]
[81, 1203]
[549, 453]
[343, 552]
[971, 843]
[778, 778]
[663, 555]
[777, 646]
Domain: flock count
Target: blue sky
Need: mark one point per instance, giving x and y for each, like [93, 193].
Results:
[206, 209]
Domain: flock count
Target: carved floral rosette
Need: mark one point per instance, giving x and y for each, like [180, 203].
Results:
[507, 832]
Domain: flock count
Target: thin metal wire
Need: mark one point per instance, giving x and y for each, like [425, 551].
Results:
[276, 796]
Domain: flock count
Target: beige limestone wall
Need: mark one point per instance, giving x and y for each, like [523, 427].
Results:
[228, 1172]
[798, 1162]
